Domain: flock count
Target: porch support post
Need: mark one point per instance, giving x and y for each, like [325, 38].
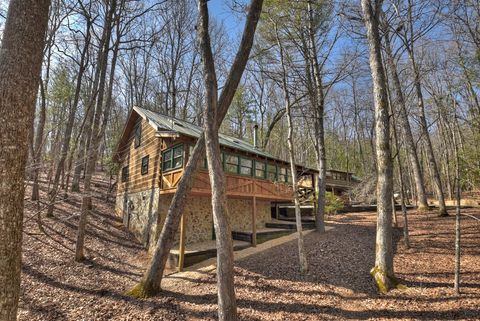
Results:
[254, 221]
[181, 246]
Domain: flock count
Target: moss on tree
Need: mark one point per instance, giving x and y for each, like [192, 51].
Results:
[139, 291]
[423, 209]
[384, 281]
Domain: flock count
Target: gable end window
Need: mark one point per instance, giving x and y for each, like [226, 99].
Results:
[172, 158]
[138, 134]
[145, 164]
[124, 174]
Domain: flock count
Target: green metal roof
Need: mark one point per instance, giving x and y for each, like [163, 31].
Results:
[168, 123]
[164, 122]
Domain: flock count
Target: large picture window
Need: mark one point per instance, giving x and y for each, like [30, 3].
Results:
[271, 172]
[246, 166]
[172, 158]
[231, 164]
[260, 168]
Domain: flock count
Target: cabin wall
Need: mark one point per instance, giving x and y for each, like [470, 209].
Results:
[139, 211]
[149, 146]
[137, 197]
[199, 218]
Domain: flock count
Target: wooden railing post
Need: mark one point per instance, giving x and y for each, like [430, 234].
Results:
[254, 221]
[181, 246]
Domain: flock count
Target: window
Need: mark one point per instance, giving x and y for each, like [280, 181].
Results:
[271, 172]
[124, 174]
[167, 160]
[178, 156]
[260, 169]
[138, 134]
[231, 163]
[246, 166]
[145, 165]
[172, 158]
[282, 174]
[289, 176]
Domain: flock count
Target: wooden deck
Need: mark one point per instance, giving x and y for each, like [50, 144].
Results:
[238, 186]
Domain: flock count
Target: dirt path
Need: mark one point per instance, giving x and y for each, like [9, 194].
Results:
[337, 287]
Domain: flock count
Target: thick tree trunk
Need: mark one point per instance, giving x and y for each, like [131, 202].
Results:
[382, 273]
[227, 307]
[20, 63]
[151, 282]
[405, 124]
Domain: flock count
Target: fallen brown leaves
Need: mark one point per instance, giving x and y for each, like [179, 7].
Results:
[268, 285]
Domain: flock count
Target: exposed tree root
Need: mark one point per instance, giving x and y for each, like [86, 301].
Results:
[139, 291]
[423, 209]
[384, 281]
[443, 213]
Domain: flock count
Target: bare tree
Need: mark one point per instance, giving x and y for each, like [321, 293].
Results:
[383, 272]
[399, 103]
[103, 53]
[409, 35]
[20, 63]
[302, 256]
[82, 65]
[227, 308]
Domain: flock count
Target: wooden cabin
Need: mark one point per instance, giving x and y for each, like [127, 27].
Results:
[152, 153]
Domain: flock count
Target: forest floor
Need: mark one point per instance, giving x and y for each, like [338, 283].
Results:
[268, 286]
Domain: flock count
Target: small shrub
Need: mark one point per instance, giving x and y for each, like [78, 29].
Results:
[333, 203]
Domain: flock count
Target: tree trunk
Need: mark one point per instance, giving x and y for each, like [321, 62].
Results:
[382, 273]
[95, 138]
[406, 237]
[80, 158]
[69, 126]
[37, 150]
[405, 124]
[151, 281]
[457, 215]
[21, 54]
[319, 127]
[227, 307]
[428, 143]
[302, 256]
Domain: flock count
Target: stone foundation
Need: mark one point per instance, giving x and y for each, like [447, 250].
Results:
[139, 212]
[199, 218]
[143, 211]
